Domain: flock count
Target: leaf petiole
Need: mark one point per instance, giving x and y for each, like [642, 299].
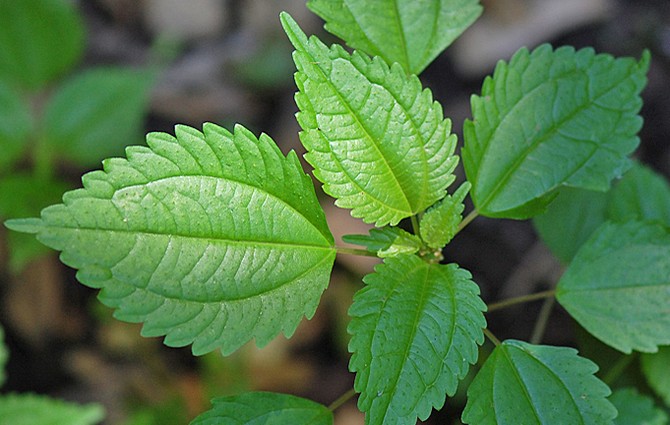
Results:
[519, 300]
[342, 399]
[354, 251]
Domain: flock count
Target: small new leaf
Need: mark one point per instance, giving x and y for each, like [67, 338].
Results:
[550, 118]
[618, 286]
[528, 384]
[415, 331]
[386, 242]
[411, 33]
[655, 370]
[211, 239]
[637, 409]
[377, 141]
[440, 223]
[263, 408]
[30, 409]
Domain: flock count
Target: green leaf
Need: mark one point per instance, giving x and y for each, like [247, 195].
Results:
[618, 286]
[570, 219]
[415, 328]
[655, 369]
[642, 194]
[39, 40]
[30, 409]
[377, 141]
[411, 33]
[24, 195]
[97, 113]
[263, 408]
[440, 223]
[4, 355]
[636, 409]
[15, 125]
[386, 242]
[521, 383]
[573, 216]
[211, 239]
[548, 119]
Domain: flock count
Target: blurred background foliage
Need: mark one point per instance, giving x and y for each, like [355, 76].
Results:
[80, 80]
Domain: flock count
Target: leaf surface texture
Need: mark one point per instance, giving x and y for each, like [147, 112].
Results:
[550, 118]
[411, 33]
[618, 286]
[377, 141]
[521, 383]
[211, 239]
[415, 331]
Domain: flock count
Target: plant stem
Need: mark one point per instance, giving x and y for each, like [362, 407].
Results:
[354, 251]
[519, 300]
[342, 399]
[415, 224]
[619, 367]
[542, 321]
[492, 337]
[468, 218]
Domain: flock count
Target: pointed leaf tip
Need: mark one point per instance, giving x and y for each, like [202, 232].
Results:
[25, 225]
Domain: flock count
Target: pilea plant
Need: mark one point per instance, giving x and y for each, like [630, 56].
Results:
[213, 238]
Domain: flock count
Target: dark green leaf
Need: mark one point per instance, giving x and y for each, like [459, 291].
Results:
[655, 368]
[521, 383]
[415, 329]
[618, 286]
[15, 125]
[262, 408]
[29, 409]
[97, 113]
[641, 194]
[211, 239]
[548, 119]
[411, 33]
[636, 409]
[39, 40]
[377, 140]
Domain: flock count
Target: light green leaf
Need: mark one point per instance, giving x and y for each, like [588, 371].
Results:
[415, 329]
[4, 355]
[263, 408]
[571, 218]
[547, 119]
[655, 369]
[636, 409]
[440, 223]
[39, 40]
[411, 33]
[97, 113]
[24, 195]
[618, 286]
[377, 141]
[642, 194]
[30, 409]
[387, 241]
[521, 383]
[211, 239]
[15, 125]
